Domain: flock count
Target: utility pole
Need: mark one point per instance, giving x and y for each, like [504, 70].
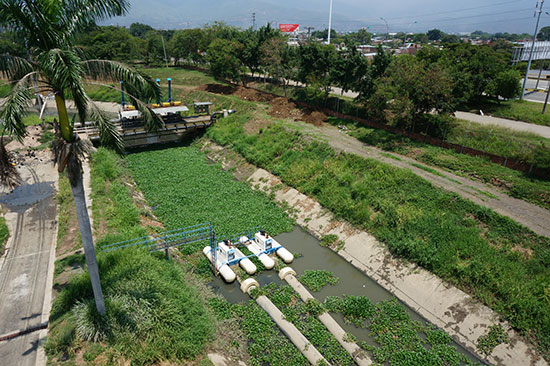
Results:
[164, 48]
[539, 7]
[309, 32]
[329, 20]
[253, 21]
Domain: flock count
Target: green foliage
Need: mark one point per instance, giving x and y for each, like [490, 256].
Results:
[434, 34]
[266, 344]
[185, 190]
[148, 301]
[223, 58]
[410, 90]
[496, 335]
[329, 240]
[301, 315]
[112, 202]
[398, 339]
[316, 280]
[4, 233]
[110, 43]
[465, 244]
[506, 85]
[544, 34]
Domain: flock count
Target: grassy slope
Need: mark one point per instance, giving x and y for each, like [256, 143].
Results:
[513, 182]
[151, 302]
[519, 110]
[492, 257]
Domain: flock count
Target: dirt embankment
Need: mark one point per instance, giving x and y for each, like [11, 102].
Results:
[281, 107]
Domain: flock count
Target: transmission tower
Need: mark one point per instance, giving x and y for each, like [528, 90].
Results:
[253, 21]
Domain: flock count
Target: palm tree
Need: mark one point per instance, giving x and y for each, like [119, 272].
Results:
[55, 65]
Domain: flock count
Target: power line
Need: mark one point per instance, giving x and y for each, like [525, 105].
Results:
[457, 10]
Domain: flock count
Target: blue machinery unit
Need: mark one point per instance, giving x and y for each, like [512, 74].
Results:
[222, 255]
[168, 239]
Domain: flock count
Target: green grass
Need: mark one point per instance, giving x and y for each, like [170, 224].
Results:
[117, 217]
[149, 302]
[4, 233]
[519, 110]
[493, 258]
[184, 189]
[5, 89]
[65, 201]
[511, 144]
[515, 183]
[179, 76]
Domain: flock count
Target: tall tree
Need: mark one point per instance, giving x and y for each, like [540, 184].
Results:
[544, 34]
[49, 28]
[435, 34]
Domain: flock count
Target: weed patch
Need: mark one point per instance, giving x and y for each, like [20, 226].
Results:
[316, 280]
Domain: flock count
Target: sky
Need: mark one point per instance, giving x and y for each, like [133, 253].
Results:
[401, 15]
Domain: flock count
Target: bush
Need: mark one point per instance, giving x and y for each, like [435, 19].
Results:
[148, 302]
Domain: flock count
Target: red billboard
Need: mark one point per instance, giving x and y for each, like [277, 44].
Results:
[288, 27]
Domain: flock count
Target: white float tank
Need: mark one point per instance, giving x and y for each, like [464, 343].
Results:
[227, 273]
[265, 242]
[246, 263]
[285, 255]
[255, 249]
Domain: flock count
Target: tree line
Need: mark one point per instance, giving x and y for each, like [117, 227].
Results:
[401, 90]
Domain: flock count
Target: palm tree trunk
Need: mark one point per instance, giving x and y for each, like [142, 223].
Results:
[64, 124]
[87, 240]
[80, 203]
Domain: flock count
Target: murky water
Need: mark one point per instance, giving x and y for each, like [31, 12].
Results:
[316, 257]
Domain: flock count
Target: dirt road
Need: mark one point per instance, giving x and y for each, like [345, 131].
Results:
[26, 268]
[534, 217]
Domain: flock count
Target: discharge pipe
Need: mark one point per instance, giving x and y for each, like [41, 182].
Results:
[359, 356]
[296, 337]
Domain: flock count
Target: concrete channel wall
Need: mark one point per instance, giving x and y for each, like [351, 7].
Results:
[457, 313]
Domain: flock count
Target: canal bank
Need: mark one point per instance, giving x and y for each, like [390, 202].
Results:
[449, 308]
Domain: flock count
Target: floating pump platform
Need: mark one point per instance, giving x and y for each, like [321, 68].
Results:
[261, 245]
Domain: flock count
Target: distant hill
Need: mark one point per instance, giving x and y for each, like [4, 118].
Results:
[402, 15]
[173, 14]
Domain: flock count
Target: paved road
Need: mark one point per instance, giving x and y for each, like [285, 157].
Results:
[543, 131]
[26, 268]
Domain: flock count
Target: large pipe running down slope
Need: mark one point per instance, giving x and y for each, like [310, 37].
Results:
[359, 356]
[295, 336]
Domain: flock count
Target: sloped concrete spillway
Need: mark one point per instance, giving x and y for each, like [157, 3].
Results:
[315, 257]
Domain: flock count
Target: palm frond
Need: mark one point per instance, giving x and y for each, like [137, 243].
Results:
[137, 83]
[9, 176]
[80, 14]
[108, 132]
[15, 108]
[13, 67]
[62, 68]
[151, 121]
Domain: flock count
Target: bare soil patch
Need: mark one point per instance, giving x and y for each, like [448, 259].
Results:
[218, 88]
[252, 95]
[31, 140]
[254, 125]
